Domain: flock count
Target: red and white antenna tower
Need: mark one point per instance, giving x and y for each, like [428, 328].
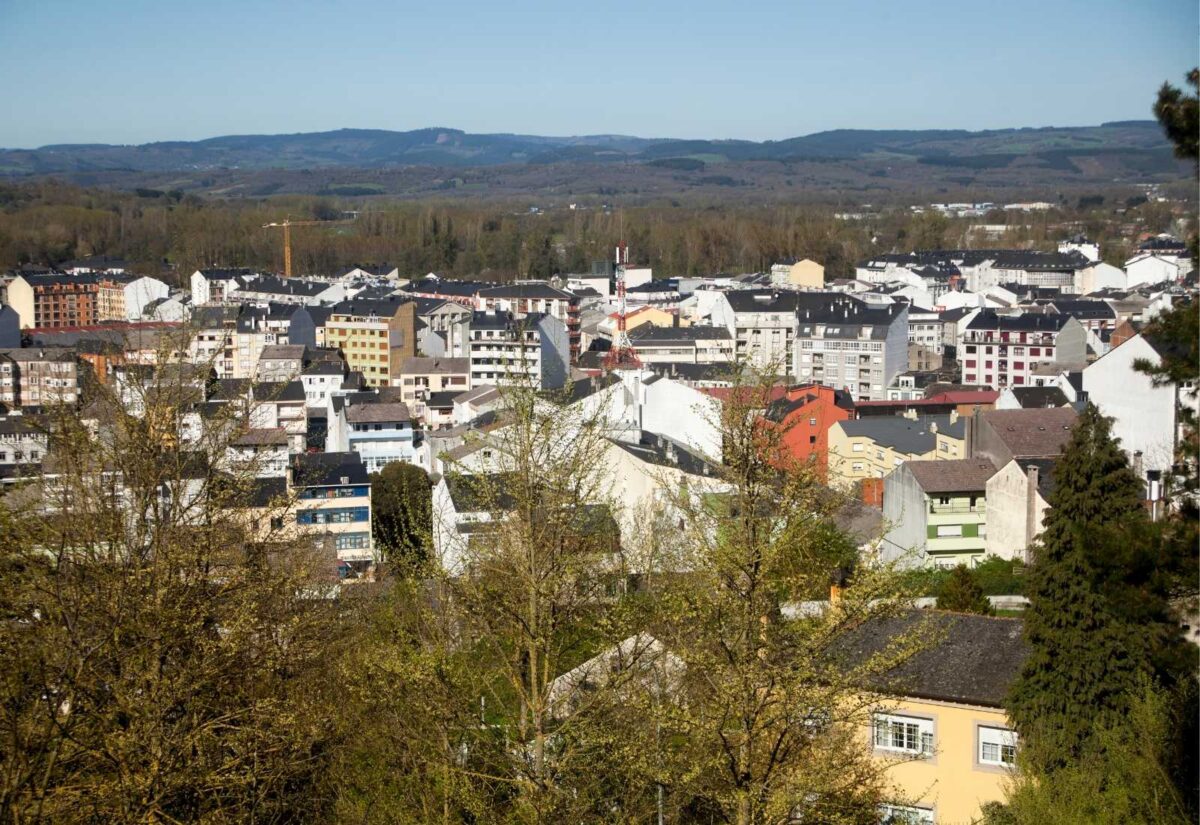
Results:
[621, 354]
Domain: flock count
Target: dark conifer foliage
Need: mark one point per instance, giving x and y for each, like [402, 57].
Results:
[1099, 621]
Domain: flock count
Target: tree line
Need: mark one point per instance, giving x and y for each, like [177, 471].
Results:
[49, 222]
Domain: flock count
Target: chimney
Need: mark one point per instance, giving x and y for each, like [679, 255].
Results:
[910, 413]
[954, 416]
[972, 432]
[1031, 495]
[837, 584]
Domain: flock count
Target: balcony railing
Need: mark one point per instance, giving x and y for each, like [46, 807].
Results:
[943, 509]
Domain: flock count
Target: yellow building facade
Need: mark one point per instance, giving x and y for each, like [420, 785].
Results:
[967, 760]
[942, 733]
[866, 448]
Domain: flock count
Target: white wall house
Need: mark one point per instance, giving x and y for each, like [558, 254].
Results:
[1149, 268]
[212, 286]
[1145, 416]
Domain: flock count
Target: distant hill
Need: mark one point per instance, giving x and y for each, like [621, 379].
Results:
[380, 149]
[863, 165]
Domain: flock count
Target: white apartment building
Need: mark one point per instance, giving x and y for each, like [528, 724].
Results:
[1001, 351]
[508, 350]
[845, 343]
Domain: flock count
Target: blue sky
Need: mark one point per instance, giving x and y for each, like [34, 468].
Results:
[130, 72]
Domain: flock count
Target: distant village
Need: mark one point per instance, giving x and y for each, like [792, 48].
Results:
[934, 389]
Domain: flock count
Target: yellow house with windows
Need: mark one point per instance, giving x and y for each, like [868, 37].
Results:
[874, 446]
[946, 734]
[802, 274]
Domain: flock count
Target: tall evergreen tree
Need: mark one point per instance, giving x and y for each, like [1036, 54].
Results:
[1098, 621]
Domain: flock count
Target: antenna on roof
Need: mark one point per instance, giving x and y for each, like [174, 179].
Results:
[622, 353]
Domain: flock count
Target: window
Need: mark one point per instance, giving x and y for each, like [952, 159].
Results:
[352, 541]
[949, 530]
[1035, 351]
[907, 734]
[997, 746]
[812, 422]
[970, 363]
[904, 815]
[857, 447]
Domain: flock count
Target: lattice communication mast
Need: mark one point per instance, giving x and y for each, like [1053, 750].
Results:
[621, 354]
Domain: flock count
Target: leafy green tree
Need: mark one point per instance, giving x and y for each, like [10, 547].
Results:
[1099, 620]
[401, 511]
[962, 593]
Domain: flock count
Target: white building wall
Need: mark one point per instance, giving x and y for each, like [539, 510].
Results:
[140, 292]
[1144, 416]
[1007, 503]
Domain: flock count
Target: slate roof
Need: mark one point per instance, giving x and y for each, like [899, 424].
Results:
[538, 291]
[648, 333]
[1161, 244]
[1045, 468]
[659, 450]
[377, 307]
[263, 492]
[904, 434]
[476, 493]
[779, 409]
[290, 352]
[443, 400]
[274, 285]
[505, 320]
[1083, 309]
[279, 391]
[972, 660]
[328, 469]
[966, 475]
[1026, 322]
[422, 365]
[1039, 397]
[276, 437]
[377, 413]
[1032, 433]
[441, 286]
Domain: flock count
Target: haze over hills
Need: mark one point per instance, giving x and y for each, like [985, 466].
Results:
[375, 148]
[446, 162]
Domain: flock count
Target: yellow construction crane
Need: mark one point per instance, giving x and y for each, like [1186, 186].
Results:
[287, 225]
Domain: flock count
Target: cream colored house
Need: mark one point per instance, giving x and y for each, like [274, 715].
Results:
[636, 318]
[803, 274]
[874, 446]
[952, 747]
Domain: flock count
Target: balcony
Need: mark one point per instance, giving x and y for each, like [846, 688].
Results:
[936, 509]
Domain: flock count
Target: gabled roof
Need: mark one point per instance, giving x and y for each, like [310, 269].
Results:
[537, 290]
[1039, 397]
[279, 391]
[1026, 322]
[779, 409]
[966, 475]
[377, 413]
[973, 661]
[290, 352]
[422, 365]
[905, 435]
[1032, 433]
[1045, 468]
[374, 307]
[274, 285]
